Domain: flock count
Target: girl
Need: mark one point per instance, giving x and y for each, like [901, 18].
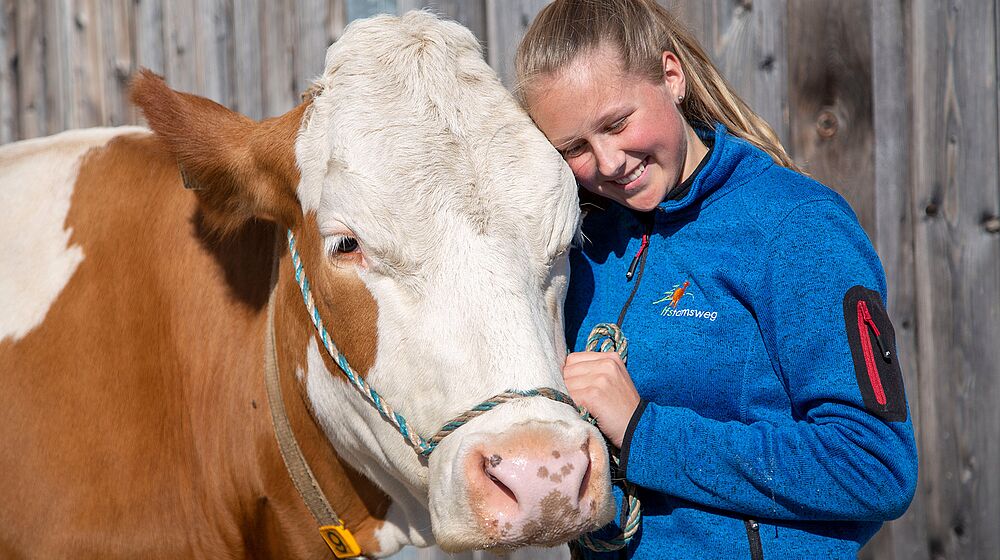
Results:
[762, 412]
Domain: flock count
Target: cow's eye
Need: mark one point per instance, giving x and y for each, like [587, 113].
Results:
[345, 245]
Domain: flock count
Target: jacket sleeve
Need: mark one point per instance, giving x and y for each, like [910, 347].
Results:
[836, 459]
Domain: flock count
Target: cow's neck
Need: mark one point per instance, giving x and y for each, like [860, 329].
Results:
[355, 500]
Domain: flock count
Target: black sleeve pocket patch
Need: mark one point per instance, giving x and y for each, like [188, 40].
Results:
[873, 347]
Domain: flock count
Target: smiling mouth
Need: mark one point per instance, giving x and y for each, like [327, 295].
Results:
[632, 176]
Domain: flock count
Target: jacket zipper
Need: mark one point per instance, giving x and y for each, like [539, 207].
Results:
[640, 261]
[753, 535]
[635, 261]
[865, 322]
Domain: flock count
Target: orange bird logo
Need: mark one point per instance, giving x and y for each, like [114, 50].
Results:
[675, 294]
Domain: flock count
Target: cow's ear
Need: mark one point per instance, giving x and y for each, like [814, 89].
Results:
[239, 168]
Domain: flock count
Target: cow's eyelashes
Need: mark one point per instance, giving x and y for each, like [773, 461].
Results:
[345, 245]
[339, 246]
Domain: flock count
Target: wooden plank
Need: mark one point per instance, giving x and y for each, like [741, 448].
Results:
[84, 92]
[277, 71]
[212, 38]
[904, 538]
[830, 105]
[148, 37]
[60, 113]
[248, 98]
[748, 45]
[470, 13]
[955, 169]
[181, 68]
[31, 96]
[8, 72]
[148, 43]
[506, 22]
[319, 23]
[336, 19]
[116, 29]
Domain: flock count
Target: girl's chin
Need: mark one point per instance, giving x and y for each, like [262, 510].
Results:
[642, 199]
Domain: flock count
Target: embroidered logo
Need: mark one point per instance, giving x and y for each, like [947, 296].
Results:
[672, 298]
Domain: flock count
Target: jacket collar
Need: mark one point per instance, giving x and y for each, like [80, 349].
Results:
[732, 162]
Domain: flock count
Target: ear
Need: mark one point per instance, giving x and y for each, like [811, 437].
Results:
[239, 169]
[673, 76]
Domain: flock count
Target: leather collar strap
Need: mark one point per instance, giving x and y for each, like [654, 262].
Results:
[340, 540]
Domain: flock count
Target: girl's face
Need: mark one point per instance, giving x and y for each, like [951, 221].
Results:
[622, 134]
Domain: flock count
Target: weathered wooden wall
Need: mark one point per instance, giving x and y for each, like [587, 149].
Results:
[894, 103]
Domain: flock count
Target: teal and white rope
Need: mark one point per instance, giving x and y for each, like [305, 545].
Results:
[421, 445]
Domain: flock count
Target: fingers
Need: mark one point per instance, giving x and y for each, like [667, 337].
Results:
[580, 357]
[593, 365]
[600, 382]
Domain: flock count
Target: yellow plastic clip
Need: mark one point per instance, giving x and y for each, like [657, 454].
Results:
[340, 541]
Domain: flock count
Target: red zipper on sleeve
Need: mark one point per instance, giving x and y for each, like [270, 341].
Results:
[865, 322]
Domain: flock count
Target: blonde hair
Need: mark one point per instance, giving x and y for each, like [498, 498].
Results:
[641, 30]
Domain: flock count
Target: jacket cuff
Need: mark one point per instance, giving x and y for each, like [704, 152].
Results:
[627, 438]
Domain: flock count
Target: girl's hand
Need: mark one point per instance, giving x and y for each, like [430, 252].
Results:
[600, 382]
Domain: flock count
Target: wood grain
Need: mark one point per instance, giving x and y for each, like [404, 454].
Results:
[955, 191]
[248, 97]
[507, 21]
[830, 101]
[903, 538]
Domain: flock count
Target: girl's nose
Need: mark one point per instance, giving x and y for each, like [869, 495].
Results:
[610, 160]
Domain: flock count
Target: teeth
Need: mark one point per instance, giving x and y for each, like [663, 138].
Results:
[633, 176]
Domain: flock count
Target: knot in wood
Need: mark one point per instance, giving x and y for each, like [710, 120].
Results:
[992, 224]
[827, 123]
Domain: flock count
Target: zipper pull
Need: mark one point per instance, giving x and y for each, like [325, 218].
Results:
[638, 255]
[863, 306]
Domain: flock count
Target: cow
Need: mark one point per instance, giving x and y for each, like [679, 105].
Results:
[145, 272]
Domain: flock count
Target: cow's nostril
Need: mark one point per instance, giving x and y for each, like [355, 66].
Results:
[499, 485]
[584, 484]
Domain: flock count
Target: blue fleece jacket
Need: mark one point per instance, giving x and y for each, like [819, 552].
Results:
[773, 422]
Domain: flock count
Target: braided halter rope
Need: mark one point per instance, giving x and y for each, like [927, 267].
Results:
[609, 338]
[613, 340]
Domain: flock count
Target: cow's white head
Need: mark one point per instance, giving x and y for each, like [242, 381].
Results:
[430, 196]
[462, 214]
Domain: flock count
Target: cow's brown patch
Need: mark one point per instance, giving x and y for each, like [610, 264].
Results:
[129, 409]
[554, 508]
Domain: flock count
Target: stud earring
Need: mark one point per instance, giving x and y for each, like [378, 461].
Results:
[680, 99]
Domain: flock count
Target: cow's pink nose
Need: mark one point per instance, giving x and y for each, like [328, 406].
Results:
[534, 488]
[528, 479]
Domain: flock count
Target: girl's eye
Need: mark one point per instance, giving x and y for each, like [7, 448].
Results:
[573, 151]
[345, 245]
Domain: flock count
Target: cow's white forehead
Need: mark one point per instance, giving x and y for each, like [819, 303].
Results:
[414, 135]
